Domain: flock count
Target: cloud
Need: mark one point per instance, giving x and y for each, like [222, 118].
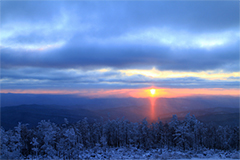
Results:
[208, 75]
[112, 19]
[80, 54]
[64, 45]
[167, 35]
[74, 78]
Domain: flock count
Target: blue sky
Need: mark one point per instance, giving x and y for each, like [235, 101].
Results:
[82, 45]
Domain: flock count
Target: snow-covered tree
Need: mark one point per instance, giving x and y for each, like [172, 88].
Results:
[35, 144]
[74, 141]
[47, 133]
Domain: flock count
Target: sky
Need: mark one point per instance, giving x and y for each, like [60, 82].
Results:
[120, 48]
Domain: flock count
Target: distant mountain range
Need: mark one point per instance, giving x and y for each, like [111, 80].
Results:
[219, 110]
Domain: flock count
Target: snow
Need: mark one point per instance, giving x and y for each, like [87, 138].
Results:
[133, 153]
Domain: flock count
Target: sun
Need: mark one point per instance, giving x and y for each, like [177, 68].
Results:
[153, 91]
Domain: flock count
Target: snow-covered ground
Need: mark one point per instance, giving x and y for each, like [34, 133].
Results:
[123, 153]
[134, 153]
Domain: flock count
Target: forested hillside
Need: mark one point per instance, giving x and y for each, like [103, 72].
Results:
[89, 140]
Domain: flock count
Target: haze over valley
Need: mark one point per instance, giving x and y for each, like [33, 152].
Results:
[30, 109]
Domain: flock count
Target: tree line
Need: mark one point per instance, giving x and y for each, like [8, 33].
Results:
[66, 140]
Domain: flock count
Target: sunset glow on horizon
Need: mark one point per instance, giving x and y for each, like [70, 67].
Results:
[135, 93]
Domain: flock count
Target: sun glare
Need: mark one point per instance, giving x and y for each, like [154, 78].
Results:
[152, 91]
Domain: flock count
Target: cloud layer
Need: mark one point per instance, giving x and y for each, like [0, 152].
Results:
[65, 45]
